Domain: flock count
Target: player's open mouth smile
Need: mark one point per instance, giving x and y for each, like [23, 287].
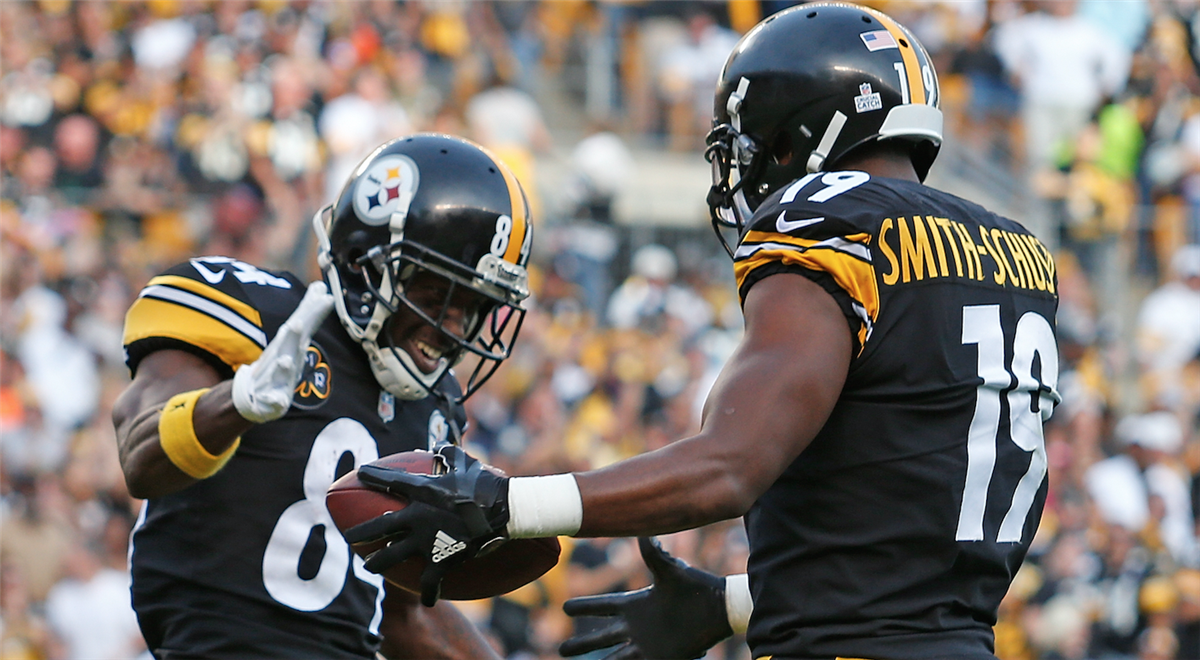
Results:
[426, 356]
[429, 351]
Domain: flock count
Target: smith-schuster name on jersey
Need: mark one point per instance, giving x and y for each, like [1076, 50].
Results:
[933, 460]
[248, 562]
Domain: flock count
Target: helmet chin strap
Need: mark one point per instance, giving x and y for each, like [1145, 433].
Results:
[325, 262]
[816, 160]
[394, 367]
[398, 374]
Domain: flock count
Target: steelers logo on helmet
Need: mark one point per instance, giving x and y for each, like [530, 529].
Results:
[387, 185]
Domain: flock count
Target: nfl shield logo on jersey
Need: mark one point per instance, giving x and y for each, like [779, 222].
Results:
[387, 406]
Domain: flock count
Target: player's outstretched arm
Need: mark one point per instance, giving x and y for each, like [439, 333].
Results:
[413, 632]
[178, 422]
[771, 399]
[682, 615]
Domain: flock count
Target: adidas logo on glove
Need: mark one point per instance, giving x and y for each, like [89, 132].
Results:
[445, 546]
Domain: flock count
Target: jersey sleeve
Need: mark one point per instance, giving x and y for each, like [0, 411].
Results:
[818, 243]
[222, 310]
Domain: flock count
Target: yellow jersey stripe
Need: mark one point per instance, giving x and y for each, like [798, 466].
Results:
[246, 311]
[206, 306]
[150, 317]
[854, 245]
[912, 66]
[855, 276]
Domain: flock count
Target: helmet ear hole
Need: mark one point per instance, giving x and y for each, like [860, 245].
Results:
[781, 149]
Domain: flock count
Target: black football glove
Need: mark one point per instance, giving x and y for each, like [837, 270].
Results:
[449, 519]
[679, 617]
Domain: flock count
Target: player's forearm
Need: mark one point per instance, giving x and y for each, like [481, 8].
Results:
[441, 632]
[772, 398]
[163, 378]
[218, 423]
[149, 470]
[678, 487]
[675, 488]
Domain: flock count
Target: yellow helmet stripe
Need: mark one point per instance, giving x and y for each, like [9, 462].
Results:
[912, 65]
[520, 214]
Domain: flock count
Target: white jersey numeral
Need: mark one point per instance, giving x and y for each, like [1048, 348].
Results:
[281, 561]
[1033, 337]
[835, 184]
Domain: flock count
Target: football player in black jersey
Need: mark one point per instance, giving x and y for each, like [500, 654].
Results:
[880, 424]
[248, 400]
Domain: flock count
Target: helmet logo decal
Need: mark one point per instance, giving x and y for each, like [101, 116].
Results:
[867, 101]
[386, 187]
[878, 40]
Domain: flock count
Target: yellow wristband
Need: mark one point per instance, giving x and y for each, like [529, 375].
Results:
[178, 438]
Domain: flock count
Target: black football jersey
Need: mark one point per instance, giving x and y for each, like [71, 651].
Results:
[896, 533]
[248, 563]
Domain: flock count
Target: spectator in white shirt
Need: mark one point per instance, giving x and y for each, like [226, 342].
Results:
[89, 610]
[1168, 331]
[1064, 66]
[1147, 484]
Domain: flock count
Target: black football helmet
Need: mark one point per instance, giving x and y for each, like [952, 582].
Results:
[805, 87]
[434, 204]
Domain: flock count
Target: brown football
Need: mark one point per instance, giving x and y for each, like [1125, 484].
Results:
[503, 567]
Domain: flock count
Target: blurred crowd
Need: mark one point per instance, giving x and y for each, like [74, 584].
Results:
[136, 134]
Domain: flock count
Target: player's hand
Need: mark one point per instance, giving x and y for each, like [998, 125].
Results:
[680, 616]
[449, 519]
[263, 389]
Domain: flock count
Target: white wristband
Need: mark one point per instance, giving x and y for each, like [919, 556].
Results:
[738, 603]
[544, 506]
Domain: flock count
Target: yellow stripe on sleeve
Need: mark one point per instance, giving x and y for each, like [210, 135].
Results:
[201, 289]
[150, 317]
[853, 274]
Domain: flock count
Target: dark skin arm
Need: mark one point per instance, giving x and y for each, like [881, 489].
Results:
[160, 376]
[441, 632]
[409, 630]
[771, 399]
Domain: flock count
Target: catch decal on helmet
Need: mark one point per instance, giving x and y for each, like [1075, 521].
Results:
[804, 88]
[435, 206]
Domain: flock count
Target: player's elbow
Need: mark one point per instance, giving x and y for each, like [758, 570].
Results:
[143, 478]
[726, 493]
[139, 484]
[736, 496]
[726, 482]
